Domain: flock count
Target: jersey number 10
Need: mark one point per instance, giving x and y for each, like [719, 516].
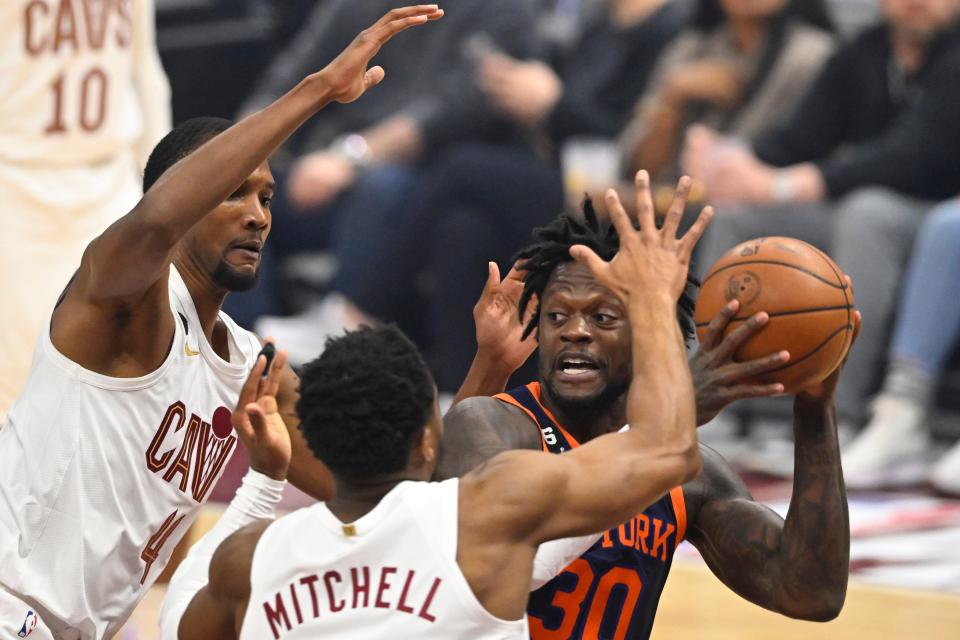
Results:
[93, 102]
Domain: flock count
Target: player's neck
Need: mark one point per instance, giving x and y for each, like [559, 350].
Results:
[587, 423]
[207, 296]
[353, 500]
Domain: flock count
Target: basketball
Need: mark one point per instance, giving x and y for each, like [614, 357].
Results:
[806, 296]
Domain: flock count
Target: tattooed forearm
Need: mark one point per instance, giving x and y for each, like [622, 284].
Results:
[796, 566]
[816, 534]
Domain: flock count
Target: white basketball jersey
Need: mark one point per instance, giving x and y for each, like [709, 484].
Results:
[391, 574]
[67, 77]
[100, 477]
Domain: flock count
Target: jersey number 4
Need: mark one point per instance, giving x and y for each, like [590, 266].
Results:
[571, 602]
[152, 551]
[92, 107]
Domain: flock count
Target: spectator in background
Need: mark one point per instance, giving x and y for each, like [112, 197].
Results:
[739, 67]
[84, 101]
[894, 448]
[357, 165]
[478, 201]
[870, 148]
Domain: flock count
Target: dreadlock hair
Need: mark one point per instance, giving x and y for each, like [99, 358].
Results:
[183, 139]
[551, 248]
[365, 401]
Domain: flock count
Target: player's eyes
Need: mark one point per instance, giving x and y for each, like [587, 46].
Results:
[603, 318]
[556, 316]
[267, 201]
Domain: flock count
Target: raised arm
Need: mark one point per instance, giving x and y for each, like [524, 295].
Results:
[135, 252]
[798, 566]
[616, 476]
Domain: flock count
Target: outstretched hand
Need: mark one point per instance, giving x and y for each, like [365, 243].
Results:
[348, 76]
[719, 379]
[649, 260]
[257, 419]
[499, 329]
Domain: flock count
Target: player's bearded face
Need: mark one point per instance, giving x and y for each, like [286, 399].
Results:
[584, 338]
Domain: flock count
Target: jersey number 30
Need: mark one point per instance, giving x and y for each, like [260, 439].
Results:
[570, 602]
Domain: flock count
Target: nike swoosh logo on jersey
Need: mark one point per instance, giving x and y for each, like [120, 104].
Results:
[187, 350]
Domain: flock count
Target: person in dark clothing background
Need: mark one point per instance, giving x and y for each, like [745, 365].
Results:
[359, 164]
[869, 151]
[479, 201]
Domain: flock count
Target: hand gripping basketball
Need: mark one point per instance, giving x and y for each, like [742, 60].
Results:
[807, 298]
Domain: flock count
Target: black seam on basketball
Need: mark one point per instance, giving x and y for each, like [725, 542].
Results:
[843, 282]
[782, 264]
[810, 353]
[795, 312]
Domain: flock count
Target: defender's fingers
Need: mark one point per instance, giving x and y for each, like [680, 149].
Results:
[383, 33]
[857, 321]
[257, 418]
[741, 334]
[248, 393]
[618, 216]
[645, 213]
[409, 11]
[719, 322]
[272, 384]
[373, 77]
[694, 233]
[675, 212]
[588, 258]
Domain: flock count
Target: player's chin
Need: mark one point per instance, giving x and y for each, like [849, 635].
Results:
[577, 388]
[237, 278]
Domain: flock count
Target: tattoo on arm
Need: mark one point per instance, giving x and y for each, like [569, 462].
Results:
[797, 566]
[478, 429]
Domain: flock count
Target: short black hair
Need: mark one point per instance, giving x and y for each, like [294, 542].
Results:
[183, 139]
[365, 401]
[551, 248]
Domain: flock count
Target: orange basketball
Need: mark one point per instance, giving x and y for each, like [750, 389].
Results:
[804, 292]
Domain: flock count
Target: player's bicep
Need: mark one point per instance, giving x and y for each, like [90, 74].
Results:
[738, 537]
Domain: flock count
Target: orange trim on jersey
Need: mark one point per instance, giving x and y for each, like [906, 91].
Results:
[534, 388]
[679, 512]
[509, 399]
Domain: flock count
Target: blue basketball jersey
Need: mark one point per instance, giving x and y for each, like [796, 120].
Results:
[611, 592]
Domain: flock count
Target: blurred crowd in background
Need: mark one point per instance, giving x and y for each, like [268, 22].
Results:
[834, 121]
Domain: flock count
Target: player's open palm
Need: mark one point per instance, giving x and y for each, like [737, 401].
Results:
[649, 260]
[258, 422]
[348, 76]
[499, 329]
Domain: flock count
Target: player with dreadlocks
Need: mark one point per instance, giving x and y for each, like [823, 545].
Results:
[797, 566]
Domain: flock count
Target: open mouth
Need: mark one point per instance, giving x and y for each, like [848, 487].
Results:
[576, 365]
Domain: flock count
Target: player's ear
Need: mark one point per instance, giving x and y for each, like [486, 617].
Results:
[429, 445]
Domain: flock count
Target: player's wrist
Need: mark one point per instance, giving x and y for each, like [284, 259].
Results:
[318, 88]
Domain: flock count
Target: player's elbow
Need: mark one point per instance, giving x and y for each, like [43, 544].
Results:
[826, 607]
[690, 463]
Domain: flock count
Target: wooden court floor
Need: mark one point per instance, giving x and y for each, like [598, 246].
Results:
[695, 606]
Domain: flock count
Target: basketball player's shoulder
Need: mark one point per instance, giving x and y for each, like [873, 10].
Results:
[508, 422]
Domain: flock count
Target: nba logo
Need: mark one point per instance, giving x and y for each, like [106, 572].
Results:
[28, 625]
